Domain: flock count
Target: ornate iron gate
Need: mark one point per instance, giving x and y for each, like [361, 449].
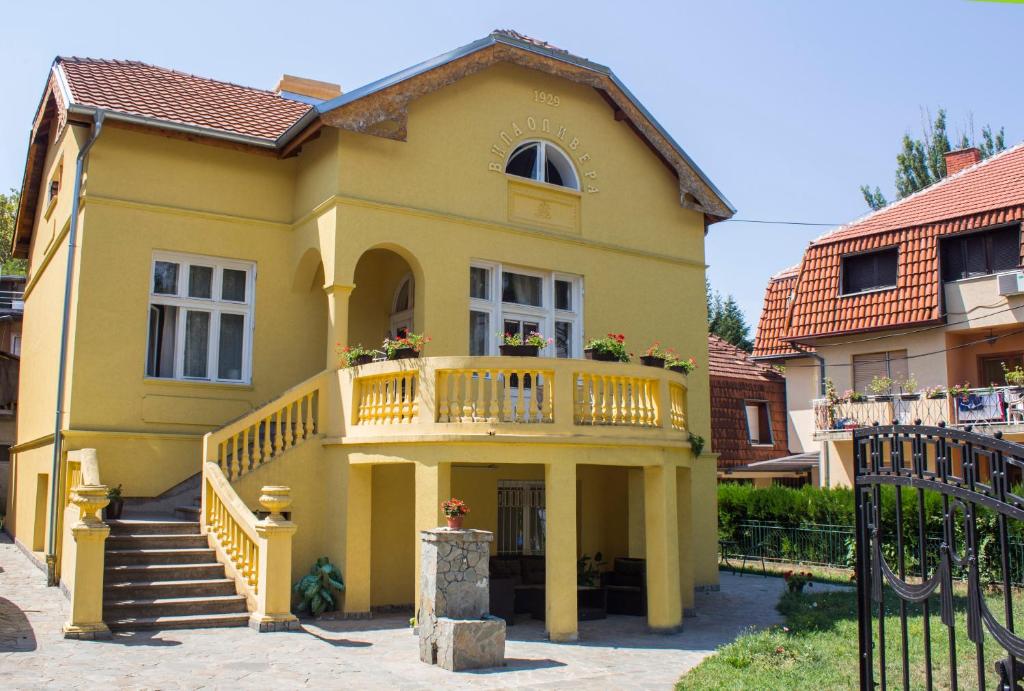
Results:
[936, 509]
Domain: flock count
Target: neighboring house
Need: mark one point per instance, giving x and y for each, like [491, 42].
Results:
[231, 239]
[748, 420]
[12, 307]
[883, 315]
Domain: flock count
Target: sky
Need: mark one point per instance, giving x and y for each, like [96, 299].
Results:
[788, 105]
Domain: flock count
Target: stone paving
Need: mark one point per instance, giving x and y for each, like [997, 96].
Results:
[377, 653]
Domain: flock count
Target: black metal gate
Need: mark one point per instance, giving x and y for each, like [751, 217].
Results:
[938, 523]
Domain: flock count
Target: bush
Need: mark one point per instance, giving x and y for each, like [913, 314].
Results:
[782, 505]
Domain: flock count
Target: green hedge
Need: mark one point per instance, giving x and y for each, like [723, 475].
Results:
[739, 503]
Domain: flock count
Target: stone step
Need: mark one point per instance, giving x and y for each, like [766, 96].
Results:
[163, 589]
[132, 608]
[180, 557]
[153, 527]
[162, 572]
[187, 512]
[144, 541]
[188, 621]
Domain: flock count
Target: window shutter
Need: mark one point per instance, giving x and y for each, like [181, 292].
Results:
[899, 366]
[866, 368]
[953, 267]
[1006, 249]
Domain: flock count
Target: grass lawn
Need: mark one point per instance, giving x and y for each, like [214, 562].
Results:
[816, 648]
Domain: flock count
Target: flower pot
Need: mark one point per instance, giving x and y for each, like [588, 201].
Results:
[678, 368]
[455, 522]
[653, 361]
[403, 354]
[520, 350]
[113, 510]
[910, 396]
[601, 355]
[360, 360]
[883, 398]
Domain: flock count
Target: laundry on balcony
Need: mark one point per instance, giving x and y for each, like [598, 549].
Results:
[980, 407]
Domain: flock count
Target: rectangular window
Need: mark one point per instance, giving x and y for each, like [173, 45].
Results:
[200, 319]
[521, 517]
[869, 271]
[980, 254]
[759, 427]
[871, 366]
[521, 301]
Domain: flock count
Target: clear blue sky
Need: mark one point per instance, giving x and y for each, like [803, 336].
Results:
[787, 106]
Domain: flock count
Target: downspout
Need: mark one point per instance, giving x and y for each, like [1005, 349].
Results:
[51, 551]
[826, 475]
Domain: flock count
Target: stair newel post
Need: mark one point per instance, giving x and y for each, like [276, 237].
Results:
[85, 581]
[274, 554]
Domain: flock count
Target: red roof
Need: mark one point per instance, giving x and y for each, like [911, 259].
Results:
[984, 195]
[772, 327]
[156, 92]
[726, 360]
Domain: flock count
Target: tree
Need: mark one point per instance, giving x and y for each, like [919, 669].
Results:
[726, 320]
[922, 162]
[8, 214]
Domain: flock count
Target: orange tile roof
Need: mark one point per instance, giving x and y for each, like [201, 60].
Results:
[772, 327]
[984, 195]
[726, 360]
[156, 92]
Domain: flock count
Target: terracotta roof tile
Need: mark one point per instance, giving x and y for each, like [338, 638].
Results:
[156, 92]
[984, 195]
[772, 326]
[726, 360]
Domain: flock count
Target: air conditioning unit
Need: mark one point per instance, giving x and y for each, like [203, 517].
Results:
[1011, 283]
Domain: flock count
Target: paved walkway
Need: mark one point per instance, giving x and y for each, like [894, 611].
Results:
[379, 653]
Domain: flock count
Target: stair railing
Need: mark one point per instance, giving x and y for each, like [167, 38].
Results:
[257, 554]
[250, 441]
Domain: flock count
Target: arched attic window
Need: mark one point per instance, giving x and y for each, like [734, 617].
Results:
[543, 161]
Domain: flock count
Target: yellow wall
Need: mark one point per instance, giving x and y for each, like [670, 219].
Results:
[394, 540]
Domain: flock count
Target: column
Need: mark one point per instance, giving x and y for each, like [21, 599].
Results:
[433, 486]
[337, 320]
[560, 551]
[83, 564]
[684, 498]
[358, 533]
[274, 595]
[664, 611]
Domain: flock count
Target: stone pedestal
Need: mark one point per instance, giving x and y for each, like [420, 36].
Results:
[455, 630]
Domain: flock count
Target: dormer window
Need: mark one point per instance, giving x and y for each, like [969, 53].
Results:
[544, 162]
[869, 271]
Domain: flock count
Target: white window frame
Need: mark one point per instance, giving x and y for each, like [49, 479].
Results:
[756, 403]
[540, 163]
[545, 316]
[215, 305]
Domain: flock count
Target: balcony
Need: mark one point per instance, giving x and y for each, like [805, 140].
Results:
[12, 300]
[987, 409]
[529, 399]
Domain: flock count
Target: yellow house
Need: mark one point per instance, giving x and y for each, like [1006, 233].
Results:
[226, 241]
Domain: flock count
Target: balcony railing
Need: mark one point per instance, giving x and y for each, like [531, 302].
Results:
[542, 397]
[12, 300]
[983, 407]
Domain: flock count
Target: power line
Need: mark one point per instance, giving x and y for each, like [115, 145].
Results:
[779, 223]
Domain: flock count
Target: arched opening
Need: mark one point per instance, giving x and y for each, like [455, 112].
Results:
[308, 281]
[383, 303]
[543, 161]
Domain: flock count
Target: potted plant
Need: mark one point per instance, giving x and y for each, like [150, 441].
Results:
[516, 345]
[116, 506]
[959, 390]
[934, 393]
[676, 363]
[353, 356]
[611, 348]
[852, 396]
[1014, 377]
[908, 389]
[454, 510]
[655, 356]
[881, 388]
[408, 346]
[588, 570]
[317, 588]
[795, 581]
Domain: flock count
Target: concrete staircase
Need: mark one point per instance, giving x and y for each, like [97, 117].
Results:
[162, 574]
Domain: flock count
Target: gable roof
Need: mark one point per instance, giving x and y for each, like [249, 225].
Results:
[987, 194]
[149, 96]
[726, 360]
[768, 341]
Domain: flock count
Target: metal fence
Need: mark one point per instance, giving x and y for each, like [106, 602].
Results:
[820, 544]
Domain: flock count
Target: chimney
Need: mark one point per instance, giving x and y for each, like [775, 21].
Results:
[961, 158]
[302, 89]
